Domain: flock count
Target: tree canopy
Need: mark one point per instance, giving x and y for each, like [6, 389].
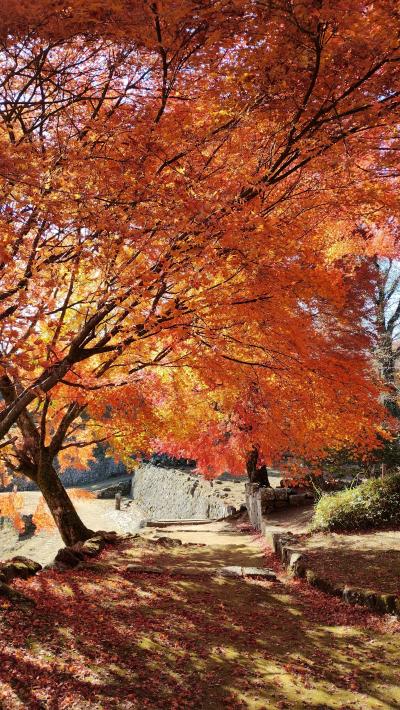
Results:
[188, 192]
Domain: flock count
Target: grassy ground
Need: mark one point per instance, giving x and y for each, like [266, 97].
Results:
[103, 637]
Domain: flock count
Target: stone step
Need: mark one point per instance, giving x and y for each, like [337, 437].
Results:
[192, 571]
[252, 572]
[167, 523]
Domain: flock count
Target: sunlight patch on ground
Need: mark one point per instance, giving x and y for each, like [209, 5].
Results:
[122, 639]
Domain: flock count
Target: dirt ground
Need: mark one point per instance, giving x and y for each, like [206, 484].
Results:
[237, 547]
[104, 637]
[297, 520]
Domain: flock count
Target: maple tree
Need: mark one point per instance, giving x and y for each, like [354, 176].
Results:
[180, 188]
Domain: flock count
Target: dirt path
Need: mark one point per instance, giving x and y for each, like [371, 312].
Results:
[297, 520]
[212, 534]
[107, 637]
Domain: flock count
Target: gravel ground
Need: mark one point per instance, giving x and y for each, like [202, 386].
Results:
[96, 514]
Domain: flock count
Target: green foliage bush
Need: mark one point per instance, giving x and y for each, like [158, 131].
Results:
[373, 504]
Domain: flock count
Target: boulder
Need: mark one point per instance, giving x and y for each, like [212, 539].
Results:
[267, 494]
[387, 603]
[287, 550]
[249, 572]
[15, 597]
[296, 564]
[143, 569]
[91, 548]
[281, 494]
[124, 488]
[376, 601]
[168, 542]
[8, 571]
[325, 585]
[110, 536]
[281, 540]
[33, 566]
[72, 556]
[19, 567]
[259, 573]
[69, 557]
[231, 571]
[95, 544]
[353, 595]
[189, 573]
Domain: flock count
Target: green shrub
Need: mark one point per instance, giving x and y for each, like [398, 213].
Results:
[373, 504]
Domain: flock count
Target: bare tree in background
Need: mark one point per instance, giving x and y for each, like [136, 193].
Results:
[387, 308]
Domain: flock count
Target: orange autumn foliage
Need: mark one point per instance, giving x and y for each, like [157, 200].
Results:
[41, 517]
[188, 194]
[11, 505]
[132, 184]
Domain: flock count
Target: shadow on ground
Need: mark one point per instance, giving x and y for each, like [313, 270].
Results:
[378, 570]
[103, 637]
[370, 560]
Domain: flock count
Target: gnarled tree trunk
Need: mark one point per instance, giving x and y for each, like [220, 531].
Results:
[36, 462]
[69, 524]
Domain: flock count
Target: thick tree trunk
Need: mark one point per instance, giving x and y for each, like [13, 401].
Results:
[251, 463]
[256, 474]
[69, 524]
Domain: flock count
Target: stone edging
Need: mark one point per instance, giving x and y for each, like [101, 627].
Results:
[287, 547]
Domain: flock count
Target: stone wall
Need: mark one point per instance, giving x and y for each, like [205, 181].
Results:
[172, 494]
[254, 506]
[261, 502]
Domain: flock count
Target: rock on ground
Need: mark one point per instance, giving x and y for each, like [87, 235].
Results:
[124, 488]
